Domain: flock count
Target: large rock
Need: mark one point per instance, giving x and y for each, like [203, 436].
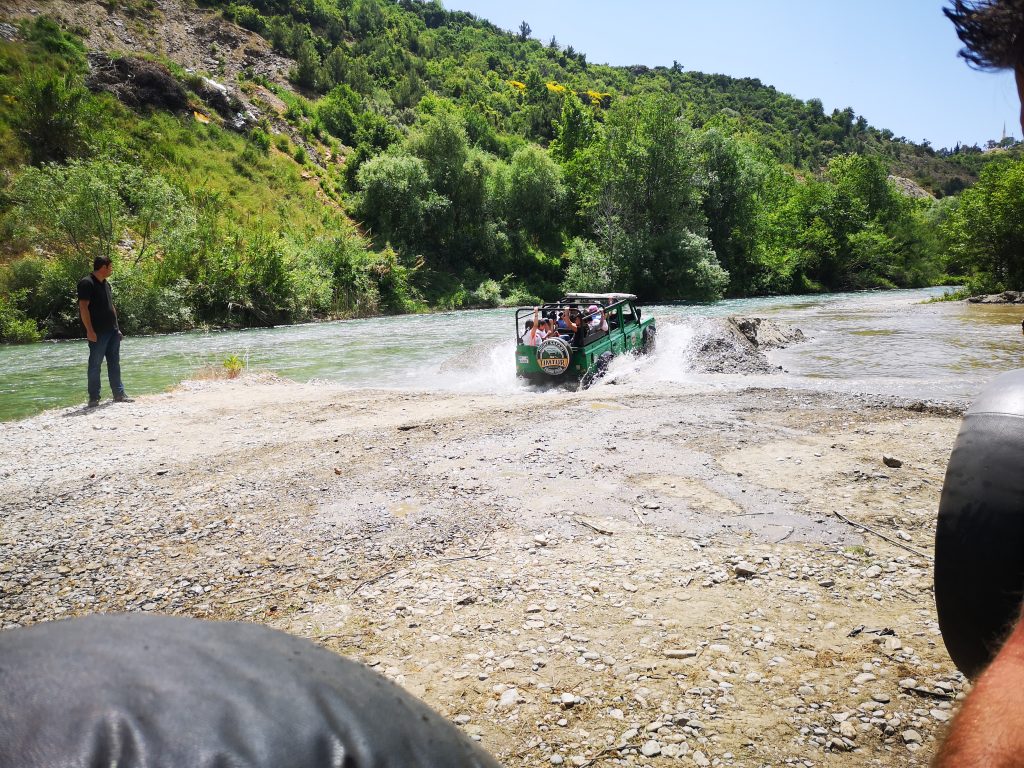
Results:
[767, 334]
[737, 344]
[136, 82]
[1006, 297]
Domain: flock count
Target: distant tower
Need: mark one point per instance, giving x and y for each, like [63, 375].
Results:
[1003, 137]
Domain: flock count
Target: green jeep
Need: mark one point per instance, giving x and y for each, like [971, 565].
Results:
[582, 349]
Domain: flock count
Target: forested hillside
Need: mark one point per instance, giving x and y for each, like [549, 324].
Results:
[282, 160]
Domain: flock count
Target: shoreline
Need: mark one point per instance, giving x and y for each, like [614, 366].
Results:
[658, 574]
[440, 311]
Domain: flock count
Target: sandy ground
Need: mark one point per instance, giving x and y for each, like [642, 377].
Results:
[604, 577]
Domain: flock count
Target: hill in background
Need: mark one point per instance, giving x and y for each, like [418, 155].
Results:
[369, 156]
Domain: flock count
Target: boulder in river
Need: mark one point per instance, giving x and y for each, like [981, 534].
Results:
[1006, 297]
[737, 344]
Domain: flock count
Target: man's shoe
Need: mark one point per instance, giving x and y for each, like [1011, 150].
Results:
[93, 403]
[123, 399]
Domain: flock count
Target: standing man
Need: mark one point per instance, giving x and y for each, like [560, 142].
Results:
[96, 307]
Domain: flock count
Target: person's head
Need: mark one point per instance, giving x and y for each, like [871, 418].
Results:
[593, 309]
[103, 266]
[992, 32]
[529, 324]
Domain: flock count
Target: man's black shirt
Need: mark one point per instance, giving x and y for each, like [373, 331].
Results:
[101, 302]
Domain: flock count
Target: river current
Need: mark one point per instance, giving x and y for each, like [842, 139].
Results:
[884, 342]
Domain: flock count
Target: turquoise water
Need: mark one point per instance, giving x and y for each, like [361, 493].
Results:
[886, 342]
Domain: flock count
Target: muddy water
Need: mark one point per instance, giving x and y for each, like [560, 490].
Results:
[879, 342]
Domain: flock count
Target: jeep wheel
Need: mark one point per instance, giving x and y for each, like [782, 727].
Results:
[591, 377]
[648, 343]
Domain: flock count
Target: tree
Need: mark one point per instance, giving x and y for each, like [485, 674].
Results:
[985, 231]
[394, 197]
[589, 270]
[441, 143]
[531, 193]
[339, 113]
[49, 117]
[730, 185]
[524, 31]
[574, 131]
[307, 66]
[648, 208]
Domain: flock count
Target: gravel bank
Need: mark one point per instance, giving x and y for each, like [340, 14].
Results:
[586, 578]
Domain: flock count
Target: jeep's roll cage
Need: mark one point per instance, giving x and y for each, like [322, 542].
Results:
[612, 304]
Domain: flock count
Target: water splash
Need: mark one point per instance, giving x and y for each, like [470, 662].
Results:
[672, 361]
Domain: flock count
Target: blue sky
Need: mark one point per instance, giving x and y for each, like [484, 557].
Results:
[894, 62]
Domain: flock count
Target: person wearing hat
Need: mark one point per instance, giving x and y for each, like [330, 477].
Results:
[596, 320]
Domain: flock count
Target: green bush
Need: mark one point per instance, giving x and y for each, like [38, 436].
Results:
[589, 270]
[520, 296]
[145, 306]
[247, 17]
[15, 327]
[259, 139]
[49, 118]
[487, 294]
[338, 112]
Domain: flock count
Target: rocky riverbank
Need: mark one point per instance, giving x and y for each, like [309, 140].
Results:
[1006, 297]
[612, 577]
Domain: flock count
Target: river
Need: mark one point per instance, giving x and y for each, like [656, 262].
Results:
[884, 342]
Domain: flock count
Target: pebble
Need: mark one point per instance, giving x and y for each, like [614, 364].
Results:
[892, 644]
[651, 748]
[744, 570]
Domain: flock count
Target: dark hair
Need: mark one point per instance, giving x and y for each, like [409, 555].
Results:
[101, 261]
[992, 32]
[529, 324]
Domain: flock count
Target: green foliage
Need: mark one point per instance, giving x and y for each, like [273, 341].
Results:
[984, 232]
[485, 169]
[260, 140]
[338, 113]
[589, 270]
[233, 366]
[395, 198]
[487, 294]
[15, 326]
[49, 119]
[530, 194]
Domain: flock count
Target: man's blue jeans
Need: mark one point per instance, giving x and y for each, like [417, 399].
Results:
[108, 345]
